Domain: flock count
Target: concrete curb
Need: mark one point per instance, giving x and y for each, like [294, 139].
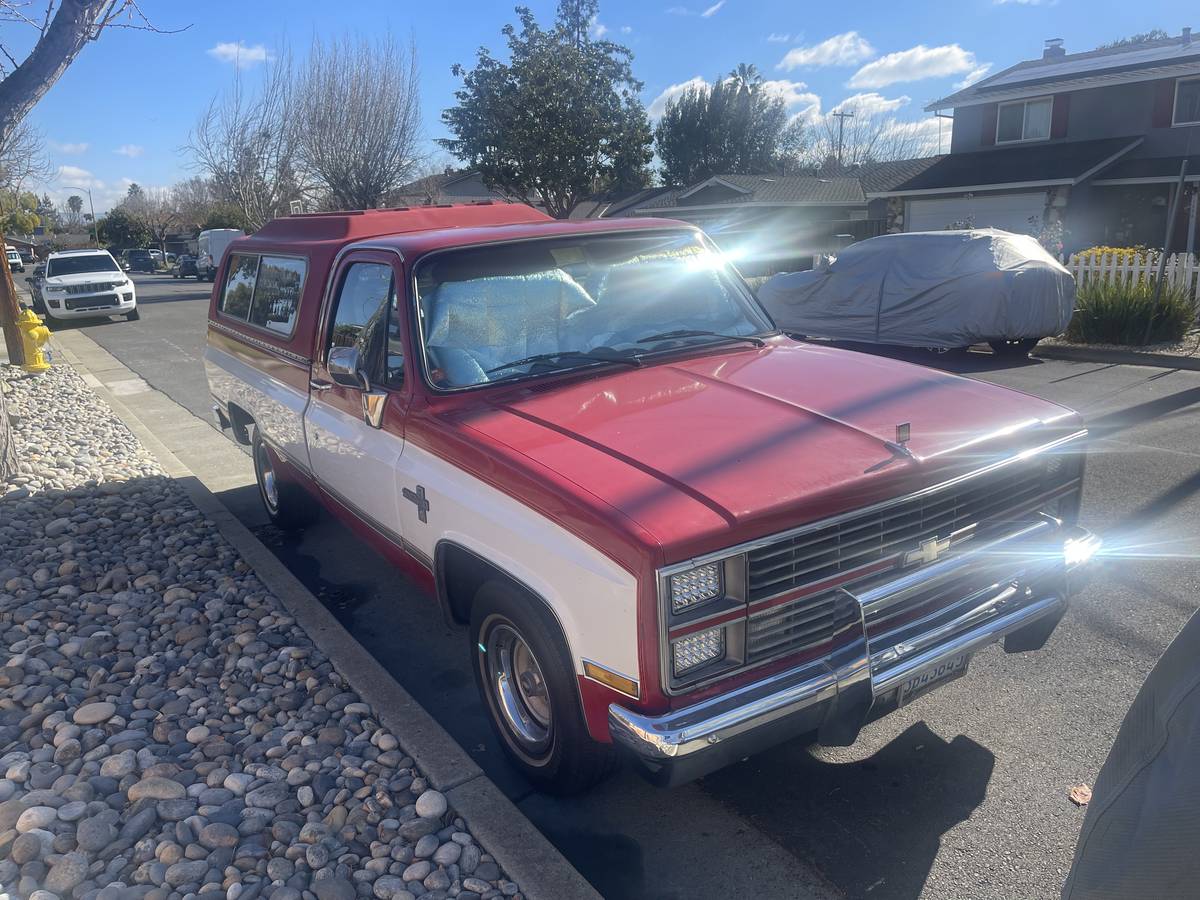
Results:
[1118, 357]
[503, 830]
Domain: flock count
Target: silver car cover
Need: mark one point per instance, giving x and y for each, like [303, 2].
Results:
[938, 289]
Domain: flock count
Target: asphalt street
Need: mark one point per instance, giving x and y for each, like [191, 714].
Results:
[962, 794]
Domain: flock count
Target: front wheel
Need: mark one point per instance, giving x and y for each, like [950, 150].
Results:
[288, 505]
[1021, 347]
[133, 315]
[529, 689]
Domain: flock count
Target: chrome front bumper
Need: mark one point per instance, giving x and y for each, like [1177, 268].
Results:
[1013, 588]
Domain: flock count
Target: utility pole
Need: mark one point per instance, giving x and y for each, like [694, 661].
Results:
[841, 116]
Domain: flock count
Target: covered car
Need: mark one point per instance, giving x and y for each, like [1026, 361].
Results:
[939, 289]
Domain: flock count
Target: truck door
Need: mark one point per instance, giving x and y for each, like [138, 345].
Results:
[354, 423]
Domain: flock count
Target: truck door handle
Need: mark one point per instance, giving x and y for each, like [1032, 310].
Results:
[319, 385]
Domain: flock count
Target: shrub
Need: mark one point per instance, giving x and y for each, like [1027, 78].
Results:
[1121, 254]
[1115, 312]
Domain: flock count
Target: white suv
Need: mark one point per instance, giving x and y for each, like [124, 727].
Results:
[81, 284]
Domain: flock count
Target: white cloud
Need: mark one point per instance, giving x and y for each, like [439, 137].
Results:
[973, 76]
[678, 11]
[914, 64]
[792, 93]
[712, 10]
[597, 29]
[659, 104]
[776, 37]
[840, 50]
[130, 150]
[239, 54]
[70, 149]
[871, 104]
[77, 177]
[626, 29]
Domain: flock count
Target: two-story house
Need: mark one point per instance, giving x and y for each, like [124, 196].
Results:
[1094, 140]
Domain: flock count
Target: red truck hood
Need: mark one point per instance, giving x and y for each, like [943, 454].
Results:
[708, 451]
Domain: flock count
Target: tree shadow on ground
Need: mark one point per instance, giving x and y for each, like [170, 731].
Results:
[872, 827]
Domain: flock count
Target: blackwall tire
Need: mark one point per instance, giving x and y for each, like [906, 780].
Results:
[529, 690]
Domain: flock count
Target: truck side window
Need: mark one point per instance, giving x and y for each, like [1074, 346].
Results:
[277, 293]
[360, 319]
[239, 286]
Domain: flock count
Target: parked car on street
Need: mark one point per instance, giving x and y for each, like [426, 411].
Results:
[667, 528]
[82, 284]
[185, 265]
[940, 289]
[15, 262]
[34, 281]
[141, 261]
[211, 246]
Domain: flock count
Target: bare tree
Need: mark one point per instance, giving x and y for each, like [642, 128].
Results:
[22, 158]
[869, 136]
[248, 145]
[157, 209]
[194, 198]
[63, 28]
[358, 113]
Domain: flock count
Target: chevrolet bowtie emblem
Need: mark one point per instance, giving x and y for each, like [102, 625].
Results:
[927, 551]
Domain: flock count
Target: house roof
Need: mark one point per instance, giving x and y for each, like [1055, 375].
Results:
[881, 177]
[1133, 62]
[613, 204]
[1037, 165]
[1149, 170]
[784, 190]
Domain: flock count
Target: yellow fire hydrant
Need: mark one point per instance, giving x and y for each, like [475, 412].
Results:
[33, 336]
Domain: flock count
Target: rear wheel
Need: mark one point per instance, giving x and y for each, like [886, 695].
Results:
[1021, 347]
[288, 505]
[529, 689]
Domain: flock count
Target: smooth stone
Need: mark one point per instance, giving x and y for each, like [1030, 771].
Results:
[94, 713]
[431, 805]
[154, 788]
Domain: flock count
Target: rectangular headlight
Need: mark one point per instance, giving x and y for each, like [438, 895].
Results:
[695, 586]
[697, 649]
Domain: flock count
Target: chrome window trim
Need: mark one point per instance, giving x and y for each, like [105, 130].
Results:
[662, 575]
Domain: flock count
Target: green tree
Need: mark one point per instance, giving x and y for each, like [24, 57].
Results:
[731, 128]
[561, 120]
[135, 194]
[19, 213]
[122, 229]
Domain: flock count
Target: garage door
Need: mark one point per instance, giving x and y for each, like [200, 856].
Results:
[1011, 212]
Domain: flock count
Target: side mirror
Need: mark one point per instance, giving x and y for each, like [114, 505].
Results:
[346, 370]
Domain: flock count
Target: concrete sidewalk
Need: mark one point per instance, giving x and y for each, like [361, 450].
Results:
[205, 462]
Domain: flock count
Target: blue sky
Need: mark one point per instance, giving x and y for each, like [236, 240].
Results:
[122, 112]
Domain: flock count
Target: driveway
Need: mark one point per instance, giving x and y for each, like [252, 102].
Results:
[960, 795]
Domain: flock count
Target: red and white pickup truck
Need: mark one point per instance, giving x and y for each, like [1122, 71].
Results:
[668, 527]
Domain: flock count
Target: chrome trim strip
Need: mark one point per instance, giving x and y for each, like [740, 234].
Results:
[250, 339]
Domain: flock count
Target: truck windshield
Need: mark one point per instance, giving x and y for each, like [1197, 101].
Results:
[75, 265]
[506, 312]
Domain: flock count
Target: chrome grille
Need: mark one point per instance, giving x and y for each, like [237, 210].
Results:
[824, 552]
[798, 625]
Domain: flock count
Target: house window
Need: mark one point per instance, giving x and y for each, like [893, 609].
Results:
[1187, 101]
[1024, 120]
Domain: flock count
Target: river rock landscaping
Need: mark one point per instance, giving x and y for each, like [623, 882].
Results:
[166, 729]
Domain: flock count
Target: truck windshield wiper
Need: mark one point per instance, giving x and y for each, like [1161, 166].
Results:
[695, 332]
[567, 355]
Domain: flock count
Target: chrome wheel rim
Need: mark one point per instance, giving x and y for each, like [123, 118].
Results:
[519, 689]
[270, 487]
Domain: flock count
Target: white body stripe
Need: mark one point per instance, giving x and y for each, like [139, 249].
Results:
[276, 408]
[355, 462]
[593, 598]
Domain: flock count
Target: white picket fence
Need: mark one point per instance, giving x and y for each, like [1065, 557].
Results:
[1181, 269]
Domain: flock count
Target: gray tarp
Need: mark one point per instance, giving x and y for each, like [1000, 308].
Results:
[928, 289]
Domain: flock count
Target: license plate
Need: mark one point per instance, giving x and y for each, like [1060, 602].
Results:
[934, 676]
